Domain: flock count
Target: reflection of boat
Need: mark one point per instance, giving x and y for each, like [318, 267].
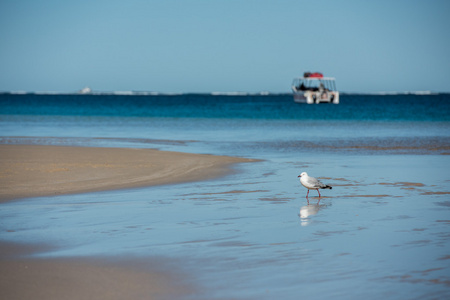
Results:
[314, 88]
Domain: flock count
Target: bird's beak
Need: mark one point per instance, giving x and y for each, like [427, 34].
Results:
[299, 176]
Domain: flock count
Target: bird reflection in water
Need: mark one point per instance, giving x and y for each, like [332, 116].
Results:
[309, 210]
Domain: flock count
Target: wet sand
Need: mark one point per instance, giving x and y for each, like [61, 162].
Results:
[87, 278]
[34, 170]
[382, 231]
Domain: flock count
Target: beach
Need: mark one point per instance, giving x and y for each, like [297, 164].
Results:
[152, 150]
[89, 278]
[197, 197]
[35, 170]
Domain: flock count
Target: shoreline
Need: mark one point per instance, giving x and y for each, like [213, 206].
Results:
[35, 170]
[25, 277]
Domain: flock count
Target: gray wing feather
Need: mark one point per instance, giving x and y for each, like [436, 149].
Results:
[316, 183]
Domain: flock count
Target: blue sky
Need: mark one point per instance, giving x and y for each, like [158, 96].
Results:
[223, 45]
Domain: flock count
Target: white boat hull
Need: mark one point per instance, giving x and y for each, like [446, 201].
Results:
[311, 97]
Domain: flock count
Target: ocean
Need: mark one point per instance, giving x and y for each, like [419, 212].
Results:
[382, 231]
[399, 107]
[361, 123]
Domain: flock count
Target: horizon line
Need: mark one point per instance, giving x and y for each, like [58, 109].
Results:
[216, 93]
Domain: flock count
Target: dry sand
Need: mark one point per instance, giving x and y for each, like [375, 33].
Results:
[31, 170]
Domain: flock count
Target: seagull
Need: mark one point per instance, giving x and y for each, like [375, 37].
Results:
[312, 183]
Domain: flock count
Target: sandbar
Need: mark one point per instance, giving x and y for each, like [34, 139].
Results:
[36, 170]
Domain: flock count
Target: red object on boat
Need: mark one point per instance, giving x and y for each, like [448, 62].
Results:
[316, 75]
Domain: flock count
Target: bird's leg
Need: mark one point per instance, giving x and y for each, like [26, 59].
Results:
[319, 193]
[307, 194]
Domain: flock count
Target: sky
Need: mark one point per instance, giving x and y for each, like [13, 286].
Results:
[202, 46]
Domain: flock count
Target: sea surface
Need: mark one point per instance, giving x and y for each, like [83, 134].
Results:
[382, 231]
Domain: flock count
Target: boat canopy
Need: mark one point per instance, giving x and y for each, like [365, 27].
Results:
[314, 83]
[312, 75]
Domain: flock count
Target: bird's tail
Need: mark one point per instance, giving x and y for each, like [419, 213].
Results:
[327, 187]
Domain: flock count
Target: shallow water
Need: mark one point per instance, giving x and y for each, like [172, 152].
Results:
[382, 231]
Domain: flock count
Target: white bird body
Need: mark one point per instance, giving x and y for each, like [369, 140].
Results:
[312, 183]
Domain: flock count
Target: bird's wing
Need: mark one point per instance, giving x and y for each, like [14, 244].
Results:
[314, 182]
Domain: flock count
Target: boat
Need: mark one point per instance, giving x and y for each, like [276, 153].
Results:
[85, 91]
[314, 88]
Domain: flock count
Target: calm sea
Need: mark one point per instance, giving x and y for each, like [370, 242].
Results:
[270, 107]
[233, 124]
[381, 232]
